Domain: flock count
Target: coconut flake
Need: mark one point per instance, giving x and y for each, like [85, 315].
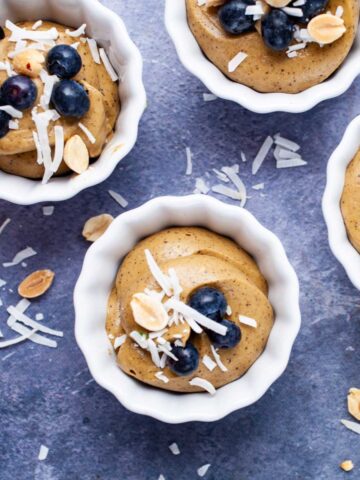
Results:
[155, 357]
[201, 3]
[209, 363]
[59, 148]
[202, 471]
[14, 341]
[161, 477]
[161, 376]
[339, 11]
[201, 186]
[37, 25]
[220, 175]
[236, 61]
[21, 317]
[7, 67]
[20, 257]
[94, 50]
[14, 124]
[262, 154]
[193, 325]
[2, 283]
[119, 341]
[167, 352]
[227, 192]
[18, 33]
[218, 359]
[174, 449]
[286, 143]
[20, 49]
[255, 10]
[291, 54]
[48, 210]
[189, 312]
[4, 225]
[156, 272]
[204, 384]
[75, 45]
[87, 132]
[209, 97]
[353, 426]
[236, 180]
[290, 163]
[258, 186]
[118, 198]
[293, 12]
[139, 339]
[298, 46]
[189, 166]
[39, 317]
[299, 3]
[49, 82]
[109, 68]
[76, 33]
[13, 112]
[43, 453]
[251, 322]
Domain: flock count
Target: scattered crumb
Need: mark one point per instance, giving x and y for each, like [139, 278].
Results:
[353, 401]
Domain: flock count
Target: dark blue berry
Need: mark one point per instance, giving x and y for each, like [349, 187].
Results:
[277, 30]
[233, 19]
[311, 9]
[70, 99]
[210, 302]
[188, 360]
[19, 91]
[63, 61]
[230, 339]
[4, 123]
[2, 33]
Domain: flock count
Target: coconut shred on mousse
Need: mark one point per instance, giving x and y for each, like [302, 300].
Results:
[275, 45]
[189, 311]
[59, 99]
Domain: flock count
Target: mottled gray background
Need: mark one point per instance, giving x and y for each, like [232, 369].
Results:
[293, 432]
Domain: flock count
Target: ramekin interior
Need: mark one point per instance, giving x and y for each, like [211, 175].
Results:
[110, 32]
[195, 61]
[92, 291]
[339, 242]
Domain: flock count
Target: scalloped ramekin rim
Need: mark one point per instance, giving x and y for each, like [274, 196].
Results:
[122, 52]
[195, 62]
[90, 299]
[339, 242]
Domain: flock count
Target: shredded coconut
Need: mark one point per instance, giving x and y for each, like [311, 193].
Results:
[204, 384]
[262, 154]
[37, 25]
[4, 225]
[119, 341]
[94, 50]
[209, 363]
[251, 322]
[218, 359]
[236, 61]
[202, 471]
[353, 426]
[209, 97]
[174, 449]
[13, 112]
[18, 33]
[118, 198]
[20, 257]
[48, 210]
[77, 33]
[161, 376]
[109, 68]
[189, 166]
[43, 453]
[87, 132]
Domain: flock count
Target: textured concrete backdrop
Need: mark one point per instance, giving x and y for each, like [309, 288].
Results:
[293, 432]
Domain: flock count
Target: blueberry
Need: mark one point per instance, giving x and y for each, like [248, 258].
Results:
[233, 19]
[70, 99]
[19, 91]
[4, 123]
[277, 30]
[2, 33]
[311, 9]
[210, 302]
[230, 339]
[63, 61]
[188, 360]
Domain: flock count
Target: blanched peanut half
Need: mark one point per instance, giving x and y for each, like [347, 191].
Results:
[96, 226]
[29, 62]
[36, 284]
[354, 402]
[76, 154]
[278, 3]
[149, 312]
[347, 465]
[326, 28]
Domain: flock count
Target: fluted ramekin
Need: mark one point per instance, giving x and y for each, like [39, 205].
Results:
[198, 64]
[110, 32]
[92, 292]
[340, 244]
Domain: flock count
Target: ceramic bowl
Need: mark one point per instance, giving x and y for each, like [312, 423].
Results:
[197, 63]
[110, 32]
[340, 245]
[92, 292]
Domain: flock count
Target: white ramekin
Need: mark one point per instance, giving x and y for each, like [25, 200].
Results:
[110, 32]
[97, 277]
[196, 62]
[340, 245]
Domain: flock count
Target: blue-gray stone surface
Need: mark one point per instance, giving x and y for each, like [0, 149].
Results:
[294, 431]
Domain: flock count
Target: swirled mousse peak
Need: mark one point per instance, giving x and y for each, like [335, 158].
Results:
[189, 311]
